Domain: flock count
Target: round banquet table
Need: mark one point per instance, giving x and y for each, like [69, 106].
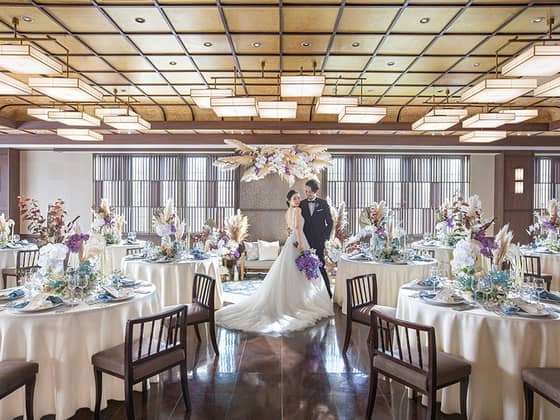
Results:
[390, 277]
[114, 255]
[550, 264]
[62, 343]
[442, 253]
[497, 349]
[174, 280]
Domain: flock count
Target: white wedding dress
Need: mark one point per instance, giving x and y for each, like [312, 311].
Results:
[286, 301]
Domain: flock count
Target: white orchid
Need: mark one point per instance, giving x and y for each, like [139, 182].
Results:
[51, 258]
[465, 255]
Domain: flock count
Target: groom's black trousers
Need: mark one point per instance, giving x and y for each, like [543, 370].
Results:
[321, 255]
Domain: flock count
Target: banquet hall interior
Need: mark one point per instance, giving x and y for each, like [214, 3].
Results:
[147, 151]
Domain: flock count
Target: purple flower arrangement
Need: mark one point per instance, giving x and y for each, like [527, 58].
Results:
[74, 242]
[309, 263]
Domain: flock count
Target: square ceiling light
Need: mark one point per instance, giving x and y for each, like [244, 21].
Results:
[334, 104]
[301, 86]
[482, 136]
[11, 86]
[362, 114]
[27, 59]
[41, 113]
[488, 120]
[551, 88]
[521, 114]
[234, 107]
[127, 122]
[449, 112]
[112, 112]
[66, 89]
[201, 97]
[498, 90]
[435, 123]
[79, 134]
[75, 118]
[537, 60]
[277, 109]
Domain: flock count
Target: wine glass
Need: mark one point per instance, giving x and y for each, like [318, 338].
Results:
[82, 284]
[530, 289]
[443, 276]
[29, 283]
[538, 284]
[131, 237]
[434, 273]
[72, 284]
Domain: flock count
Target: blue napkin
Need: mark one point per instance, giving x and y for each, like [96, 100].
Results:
[427, 295]
[126, 282]
[14, 294]
[55, 300]
[198, 255]
[510, 309]
[104, 297]
[428, 282]
[549, 296]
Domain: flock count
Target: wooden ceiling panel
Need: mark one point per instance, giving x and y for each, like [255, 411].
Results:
[183, 78]
[171, 62]
[455, 79]
[476, 64]
[185, 90]
[366, 19]
[252, 19]
[454, 44]
[157, 44]
[73, 45]
[195, 19]
[215, 44]
[222, 62]
[380, 78]
[126, 63]
[491, 45]
[268, 44]
[122, 90]
[340, 62]
[85, 19]
[433, 63]
[294, 63]
[109, 44]
[305, 44]
[390, 63]
[88, 64]
[107, 78]
[530, 20]
[145, 78]
[126, 19]
[404, 90]
[167, 99]
[404, 44]
[346, 44]
[309, 19]
[478, 19]
[40, 22]
[438, 18]
[253, 63]
[418, 78]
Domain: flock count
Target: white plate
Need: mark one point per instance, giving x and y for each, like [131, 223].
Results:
[528, 315]
[31, 311]
[431, 301]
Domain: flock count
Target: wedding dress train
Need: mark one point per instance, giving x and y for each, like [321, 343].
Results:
[286, 301]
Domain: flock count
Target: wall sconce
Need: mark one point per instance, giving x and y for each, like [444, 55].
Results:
[519, 177]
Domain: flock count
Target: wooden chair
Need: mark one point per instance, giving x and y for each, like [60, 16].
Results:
[26, 260]
[14, 375]
[160, 345]
[202, 310]
[134, 251]
[530, 265]
[543, 381]
[397, 352]
[361, 297]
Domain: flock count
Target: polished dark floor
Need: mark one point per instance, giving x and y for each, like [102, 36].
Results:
[299, 376]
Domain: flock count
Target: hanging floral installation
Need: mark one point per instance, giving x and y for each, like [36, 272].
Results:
[290, 162]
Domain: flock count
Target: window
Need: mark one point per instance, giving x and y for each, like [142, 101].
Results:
[547, 180]
[413, 186]
[136, 185]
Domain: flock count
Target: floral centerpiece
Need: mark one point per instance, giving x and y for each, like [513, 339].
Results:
[52, 257]
[456, 218]
[51, 229]
[107, 223]
[309, 263]
[339, 234]
[167, 224]
[58, 283]
[546, 227]
[75, 244]
[237, 230]
[6, 230]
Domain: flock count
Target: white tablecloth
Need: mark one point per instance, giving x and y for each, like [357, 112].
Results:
[114, 255]
[390, 277]
[550, 264]
[174, 281]
[497, 348]
[63, 344]
[443, 254]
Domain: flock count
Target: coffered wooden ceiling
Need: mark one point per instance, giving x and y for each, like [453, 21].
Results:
[155, 52]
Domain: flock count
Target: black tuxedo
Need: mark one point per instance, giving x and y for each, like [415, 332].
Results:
[317, 230]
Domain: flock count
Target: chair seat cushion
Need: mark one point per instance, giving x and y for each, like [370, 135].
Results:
[112, 360]
[14, 374]
[197, 314]
[361, 314]
[450, 369]
[546, 381]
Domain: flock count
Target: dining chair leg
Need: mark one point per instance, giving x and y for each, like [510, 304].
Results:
[212, 327]
[464, 391]
[145, 390]
[5, 279]
[528, 392]
[197, 332]
[185, 386]
[29, 390]
[373, 378]
[432, 405]
[129, 399]
[98, 374]
[348, 332]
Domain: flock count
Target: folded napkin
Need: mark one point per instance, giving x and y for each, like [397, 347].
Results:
[510, 309]
[428, 282]
[104, 297]
[40, 301]
[115, 293]
[444, 296]
[549, 296]
[427, 295]
[527, 307]
[126, 282]
[13, 294]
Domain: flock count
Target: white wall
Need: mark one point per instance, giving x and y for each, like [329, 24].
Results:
[46, 176]
[482, 182]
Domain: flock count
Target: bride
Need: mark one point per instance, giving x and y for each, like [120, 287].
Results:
[287, 300]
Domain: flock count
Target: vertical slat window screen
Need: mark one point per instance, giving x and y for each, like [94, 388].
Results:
[136, 185]
[412, 185]
[547, 180]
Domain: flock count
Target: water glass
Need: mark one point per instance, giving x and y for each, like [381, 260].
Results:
[16, 238]
[539, 288]
[72, 284]
[427, 237]
[82, 284]
[131, 237]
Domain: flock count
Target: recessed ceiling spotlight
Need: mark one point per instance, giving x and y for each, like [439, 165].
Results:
[139, 20]
[306, 44]
[27, 19]
[207, 44]
[172, 63]
[539, 19]
[256, 44]
[425, 20]
[390, 63]
[355, 44]
[476, 65]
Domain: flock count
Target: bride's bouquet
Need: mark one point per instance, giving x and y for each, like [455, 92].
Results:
[309, 263]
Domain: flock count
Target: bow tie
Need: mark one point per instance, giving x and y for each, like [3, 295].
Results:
[312, 201]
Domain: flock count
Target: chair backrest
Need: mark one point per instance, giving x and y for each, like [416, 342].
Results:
[26, 260]
[134, 251]
[204, 288]
[361, 290]
[408, 344]
[532, 264]
[155, 335]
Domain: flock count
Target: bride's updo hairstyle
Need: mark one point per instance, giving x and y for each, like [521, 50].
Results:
[289, 196]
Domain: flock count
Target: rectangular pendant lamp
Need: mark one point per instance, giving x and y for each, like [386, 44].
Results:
[79, 134]
[201, 97]
[551, 88]
[521, 114]
[362, 114]
[127, 122]
[537, 60]
[435, 123]
[482, 136]
[74, 118]
[112, 112]
[66, 89]
[488, 120]
[234, 107]
[27, 59]
[277, 109]
[11, 86]
[334, 104]
[449, 112]
[41, 113]
[301, 86]
[498, 90]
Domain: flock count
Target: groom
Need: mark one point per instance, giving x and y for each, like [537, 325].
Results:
[318, 224]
